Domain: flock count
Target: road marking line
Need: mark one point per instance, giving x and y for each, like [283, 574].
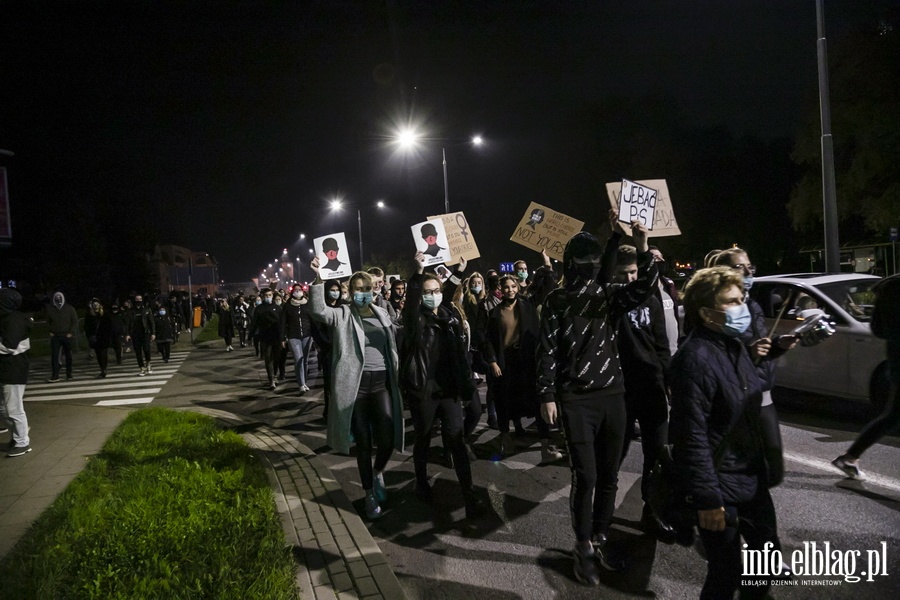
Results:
[100, 385]
[823, 465]
[92, 395]
[124, 402]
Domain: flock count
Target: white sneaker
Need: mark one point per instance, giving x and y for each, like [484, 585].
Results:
[142, 373]
[149, 370]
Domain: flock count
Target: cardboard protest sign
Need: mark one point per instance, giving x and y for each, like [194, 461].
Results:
[431, 240]
[459, 236]
[543, 228]
[334, 260]
[664, 223]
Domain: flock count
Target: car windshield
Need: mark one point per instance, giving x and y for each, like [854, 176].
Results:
[855, 296]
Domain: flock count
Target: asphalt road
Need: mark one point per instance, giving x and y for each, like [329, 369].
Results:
[521, 549]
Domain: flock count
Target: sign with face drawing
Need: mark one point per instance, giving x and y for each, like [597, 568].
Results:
[459, 237]
[543, 228]
[431, 240]
[334, 260]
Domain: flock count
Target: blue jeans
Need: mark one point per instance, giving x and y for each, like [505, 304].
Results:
[12, 412]
[300, 349]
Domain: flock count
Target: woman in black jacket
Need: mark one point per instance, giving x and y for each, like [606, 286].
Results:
[100, 334]
[435, 376]
[14, 345]
[714, 429]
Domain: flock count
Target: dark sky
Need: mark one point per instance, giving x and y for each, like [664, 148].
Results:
[224, 126]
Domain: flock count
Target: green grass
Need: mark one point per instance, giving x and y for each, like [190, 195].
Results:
[172, 507]
[210, 332]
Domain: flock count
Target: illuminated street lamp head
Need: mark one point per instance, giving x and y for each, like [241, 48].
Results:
[336, 204]
[283, 252]
[407, 138]
[302, 236]
[477, 140]
[380, 204]
[310, 250]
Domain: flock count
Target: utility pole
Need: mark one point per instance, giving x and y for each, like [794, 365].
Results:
[829, 193]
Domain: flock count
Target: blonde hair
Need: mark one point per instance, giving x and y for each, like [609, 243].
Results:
[703, 290]
[723, 257]
[367, 279]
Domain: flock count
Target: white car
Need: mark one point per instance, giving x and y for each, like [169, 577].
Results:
[849, 364]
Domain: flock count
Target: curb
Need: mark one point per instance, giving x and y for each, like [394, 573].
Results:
[336, 554]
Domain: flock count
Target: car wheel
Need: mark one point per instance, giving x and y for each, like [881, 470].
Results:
[879, 388]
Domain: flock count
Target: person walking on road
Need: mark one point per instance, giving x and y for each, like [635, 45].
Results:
[365, 402]
[582, 385]
[100, 334]
[63, 322]
[715, 434]
[226, 324]
[14, 345]
[142, 331]
[119, 329]
[264, 328]
[886, 325]
[164, 324]
[296, 332]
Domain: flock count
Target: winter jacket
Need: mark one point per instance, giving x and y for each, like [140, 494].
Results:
[141, 321]
[529, 335]
[265, 321]
[226, 322]
[164, 326]
[295, 321]
[239, 315]
[434, 345]
[62, 319]
[14, 340]
[886, 314]
[716, 397]
[644, 346]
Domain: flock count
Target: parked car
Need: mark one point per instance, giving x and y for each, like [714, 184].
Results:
[851, 363]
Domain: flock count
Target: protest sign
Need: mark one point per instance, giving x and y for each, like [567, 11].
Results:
[637, 203]
[664, 223]
[431, 240]
[334, 260]
[459, 237]
[543, 228]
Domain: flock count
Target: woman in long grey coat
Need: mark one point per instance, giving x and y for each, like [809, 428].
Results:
[365, 402]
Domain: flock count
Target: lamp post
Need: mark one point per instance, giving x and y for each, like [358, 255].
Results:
[337, 204]
[410, 138]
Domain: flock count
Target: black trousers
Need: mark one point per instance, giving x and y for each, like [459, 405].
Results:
[165, 350]
[141, 345]
[889, 420]
[594, 427]
[118, 344]
[756, 525]
[372, 424]
[424, 410]
[269, 351]
[650, 406]
[471, 414]
[102, 358]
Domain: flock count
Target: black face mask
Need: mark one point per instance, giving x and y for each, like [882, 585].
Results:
[588, 271]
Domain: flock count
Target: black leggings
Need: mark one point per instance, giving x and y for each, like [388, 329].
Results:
[471, 414]
[889, 420]
[424, 411]
[650, 406]
[372, 423]
[102, 358]
[594, 427]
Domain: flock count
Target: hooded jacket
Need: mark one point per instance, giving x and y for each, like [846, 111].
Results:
[578, 353]
[14, 340]
[61, 317]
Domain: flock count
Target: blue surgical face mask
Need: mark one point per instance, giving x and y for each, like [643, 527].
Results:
[737, 320]
[268, 300]
[748, 282]
[363, 299]
[258, 301]
[476, 289]
[522, 275]
[334, 294]
[162, 313]
[432, 300]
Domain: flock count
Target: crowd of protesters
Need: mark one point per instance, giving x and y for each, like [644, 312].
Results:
[592, 350]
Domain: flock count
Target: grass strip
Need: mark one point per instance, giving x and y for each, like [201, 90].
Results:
[172, 507]
[209, 332]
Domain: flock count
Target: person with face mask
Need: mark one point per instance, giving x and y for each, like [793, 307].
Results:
[365, 396]
[296, 332]
[581, 382]
[118, 330]
[667, 294]
[142, 331]
[265, 328]
[239, 318]
[714, 430]
[165, 332]
[765, 352]
[226, 323]
[436, 377]
[63, 323]
[321, 334]
[255, 302]
[99, 331]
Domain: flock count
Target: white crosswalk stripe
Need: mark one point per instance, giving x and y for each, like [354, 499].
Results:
[122, 385]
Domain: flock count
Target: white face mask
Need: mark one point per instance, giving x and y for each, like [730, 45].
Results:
[432, 300]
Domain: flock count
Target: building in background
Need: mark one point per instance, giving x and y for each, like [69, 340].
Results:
[172, 265]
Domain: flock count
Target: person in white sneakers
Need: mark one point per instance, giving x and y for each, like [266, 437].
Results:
[14, 344]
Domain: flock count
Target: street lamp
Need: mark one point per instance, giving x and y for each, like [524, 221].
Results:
[337, 204]
[409, 138]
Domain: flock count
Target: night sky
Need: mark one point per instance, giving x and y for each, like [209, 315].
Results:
[226, 126]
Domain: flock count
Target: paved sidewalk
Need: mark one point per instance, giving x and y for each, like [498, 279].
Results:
[336, 554]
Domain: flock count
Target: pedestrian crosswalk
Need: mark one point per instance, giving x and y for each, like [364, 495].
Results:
[121, 387]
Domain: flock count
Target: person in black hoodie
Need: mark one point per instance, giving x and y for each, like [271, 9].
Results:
[435, 376]
[14, 345]
[714, 429]
[644, 354]
[264, 327]
[142, 332]
[118, 330]
[100, 334]
[581, 382]
[164, 325]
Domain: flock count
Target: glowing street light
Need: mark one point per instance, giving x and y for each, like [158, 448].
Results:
[337, 205]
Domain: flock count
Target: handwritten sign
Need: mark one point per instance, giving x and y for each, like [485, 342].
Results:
[543, 228]
[637, 203]
[334, 259]
[459, 237]
[664, 223]
[431, 240]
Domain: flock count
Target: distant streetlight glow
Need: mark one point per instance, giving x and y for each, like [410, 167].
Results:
[407, 138]
[336, 204]
[477, 140]
[302, 236]
[380, 204]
